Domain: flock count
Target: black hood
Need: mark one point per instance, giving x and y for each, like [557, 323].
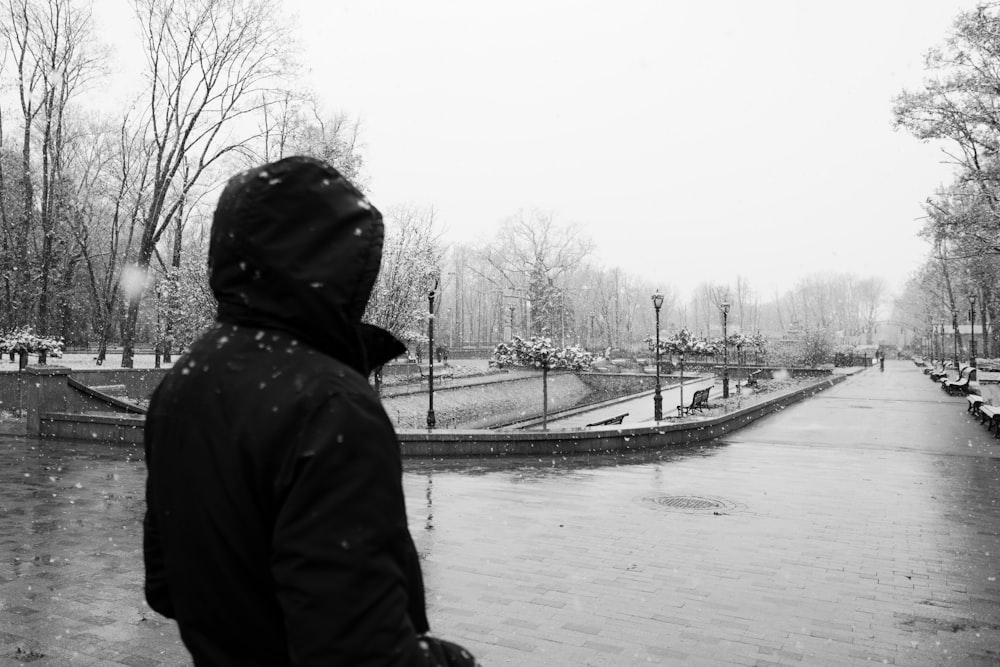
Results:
[296, 247]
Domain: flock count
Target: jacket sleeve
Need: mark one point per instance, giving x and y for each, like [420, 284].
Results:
[157, 593]
[342, 549]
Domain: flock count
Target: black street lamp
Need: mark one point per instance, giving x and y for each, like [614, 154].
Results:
[941, 341]
[932, 339]
[972, 329]
[724, 307]
[680, 408]
[431, 422]
[954, 335]
[657, 396]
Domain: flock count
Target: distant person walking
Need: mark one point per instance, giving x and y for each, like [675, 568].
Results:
[275, 532]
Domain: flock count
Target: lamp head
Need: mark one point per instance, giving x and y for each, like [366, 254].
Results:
[972, 299]
[657, 300]
[724, 306]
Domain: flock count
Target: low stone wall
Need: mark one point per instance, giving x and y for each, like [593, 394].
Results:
[122, 429]
[11, 391]
[139, 382]
[54, 419]
[50, 389]
[554, 443]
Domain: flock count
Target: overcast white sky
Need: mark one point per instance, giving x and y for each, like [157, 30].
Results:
[694, 140]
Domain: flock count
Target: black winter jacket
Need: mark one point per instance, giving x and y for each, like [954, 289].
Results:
[276, 530]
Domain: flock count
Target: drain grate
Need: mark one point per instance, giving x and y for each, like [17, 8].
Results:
[688, 503]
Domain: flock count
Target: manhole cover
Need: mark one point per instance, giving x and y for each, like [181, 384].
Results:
[688, 503]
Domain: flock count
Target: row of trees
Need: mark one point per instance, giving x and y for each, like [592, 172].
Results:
[536, 277]
[96, 208]
[958, 106]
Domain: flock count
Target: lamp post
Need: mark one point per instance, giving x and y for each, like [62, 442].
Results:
[941, 340]
[680, 408]
[954, 335]
[657, 396]
[430, 354]
[724, 307]
[931, 343]
[972, 330]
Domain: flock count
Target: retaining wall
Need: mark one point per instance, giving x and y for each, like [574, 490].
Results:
[139, 382]
[454, 443]
[128, 429]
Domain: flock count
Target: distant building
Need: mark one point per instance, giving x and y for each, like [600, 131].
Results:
[964, 339]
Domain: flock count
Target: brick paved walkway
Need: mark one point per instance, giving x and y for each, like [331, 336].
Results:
[862, 525]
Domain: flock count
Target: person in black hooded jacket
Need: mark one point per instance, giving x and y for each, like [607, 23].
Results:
[275, 531]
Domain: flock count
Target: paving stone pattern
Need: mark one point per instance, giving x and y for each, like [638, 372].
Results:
[859, 526]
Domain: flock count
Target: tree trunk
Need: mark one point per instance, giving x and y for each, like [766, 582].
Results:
[128, 333]
[102, 345]
[46, 271]
[27, 206]
[146, 249]
[65, 308]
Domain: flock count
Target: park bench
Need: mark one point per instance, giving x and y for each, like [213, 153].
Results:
[961, 385]
[698, 402]
[939, 371]
[985, 403]
[990, 414]
[611, 421]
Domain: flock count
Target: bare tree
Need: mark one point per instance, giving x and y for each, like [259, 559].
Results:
[18, 33]
[532, 252]
[70, 62]
[210, 63]
[52, 46]
[293, 124]
[103, 218]
[958, 101]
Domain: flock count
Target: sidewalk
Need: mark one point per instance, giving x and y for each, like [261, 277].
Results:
[859, 526]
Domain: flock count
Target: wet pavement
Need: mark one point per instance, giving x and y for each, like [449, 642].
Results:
[859, 526]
